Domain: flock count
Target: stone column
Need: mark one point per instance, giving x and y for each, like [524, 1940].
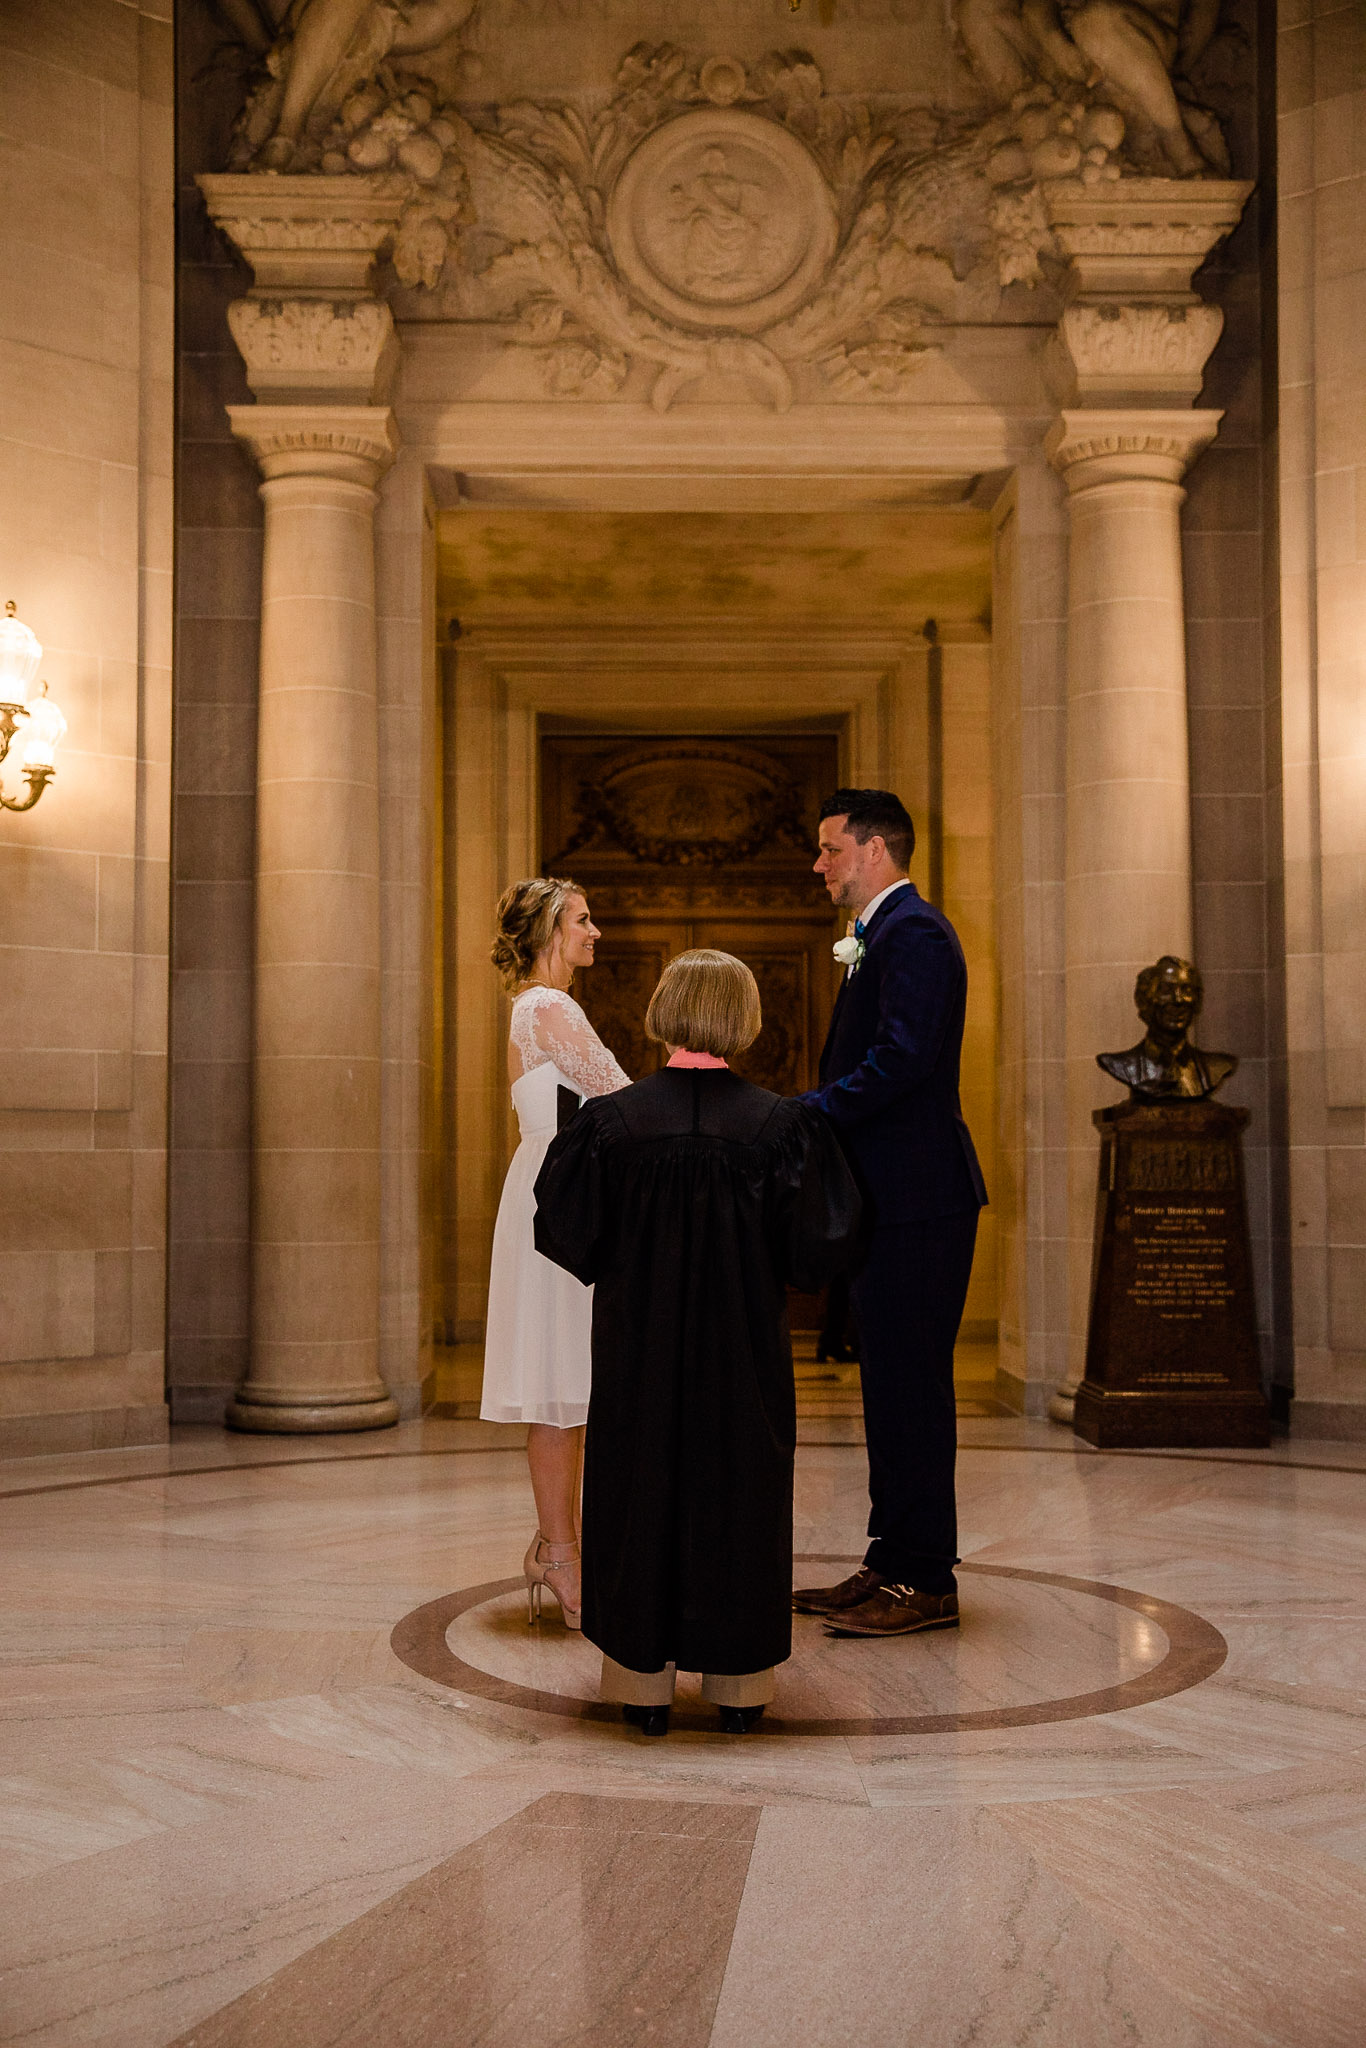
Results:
[320, 353]
[1128, 861]
[1133, 342]
[316, 1043]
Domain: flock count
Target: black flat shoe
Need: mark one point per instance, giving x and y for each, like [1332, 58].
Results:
[738, 1720]
[649, 1720]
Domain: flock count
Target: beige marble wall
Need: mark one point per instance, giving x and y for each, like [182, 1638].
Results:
[1232, 683]
[1322, 373]
[1029, 725]
[969, 897]
[86, 149]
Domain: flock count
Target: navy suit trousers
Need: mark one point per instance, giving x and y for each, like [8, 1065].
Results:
[908, 1296]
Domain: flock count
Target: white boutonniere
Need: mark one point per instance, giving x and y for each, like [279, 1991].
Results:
[849, 950]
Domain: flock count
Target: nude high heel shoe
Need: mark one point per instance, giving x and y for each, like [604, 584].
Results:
[537, 1572]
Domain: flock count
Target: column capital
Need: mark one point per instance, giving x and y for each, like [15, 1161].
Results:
[1137, 444]
[351, 443]
[309, 348]
[1116, 355]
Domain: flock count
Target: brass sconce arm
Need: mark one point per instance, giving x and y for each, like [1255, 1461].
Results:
[36, 778]
[20, 654]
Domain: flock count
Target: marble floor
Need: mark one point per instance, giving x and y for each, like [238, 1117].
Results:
[283, 1765]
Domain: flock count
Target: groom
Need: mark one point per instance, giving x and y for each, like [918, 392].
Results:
[889, 1084]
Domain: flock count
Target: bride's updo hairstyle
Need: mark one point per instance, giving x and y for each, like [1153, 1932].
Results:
[705, 1002]
[528, 913]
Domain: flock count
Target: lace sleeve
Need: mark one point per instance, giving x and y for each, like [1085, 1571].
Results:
[558, 1031]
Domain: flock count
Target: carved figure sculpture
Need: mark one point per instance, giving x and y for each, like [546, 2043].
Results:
[327, 49]
[721, 218]
[1010, 43]
[1135, 48]
[1129, 49]
[1164, 1065]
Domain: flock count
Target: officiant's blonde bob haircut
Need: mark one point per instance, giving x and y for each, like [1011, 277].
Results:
[706, 1002]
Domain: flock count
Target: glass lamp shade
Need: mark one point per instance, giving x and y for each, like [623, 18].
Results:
[46, 726]
[20, 653]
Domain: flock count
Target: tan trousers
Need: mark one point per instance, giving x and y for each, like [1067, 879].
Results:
[656, 1688]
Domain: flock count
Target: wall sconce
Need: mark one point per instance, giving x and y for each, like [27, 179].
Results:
[20, 653]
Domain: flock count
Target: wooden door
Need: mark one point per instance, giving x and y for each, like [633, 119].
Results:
[631, 955]
[690, 840]
[787, 960]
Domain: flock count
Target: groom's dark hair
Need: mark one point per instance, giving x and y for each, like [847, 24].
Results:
[867, 811]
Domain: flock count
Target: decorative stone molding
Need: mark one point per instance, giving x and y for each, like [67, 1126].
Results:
[1142, 238]
[1122, 352]
[1128, 445]
[299, 348]
[351, 443]
[1133, 329]
[724, 223]
[307, 235]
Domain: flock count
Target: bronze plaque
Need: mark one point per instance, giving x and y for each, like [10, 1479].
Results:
[1172, 1352]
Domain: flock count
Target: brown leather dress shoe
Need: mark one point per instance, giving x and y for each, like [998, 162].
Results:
[895, 1611]
[834, 1599]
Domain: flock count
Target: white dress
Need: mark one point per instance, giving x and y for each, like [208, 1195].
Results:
[537, 1364]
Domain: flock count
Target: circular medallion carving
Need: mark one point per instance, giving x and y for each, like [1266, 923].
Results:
[722, 219]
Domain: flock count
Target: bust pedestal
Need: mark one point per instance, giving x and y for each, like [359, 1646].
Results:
[1171, 1356]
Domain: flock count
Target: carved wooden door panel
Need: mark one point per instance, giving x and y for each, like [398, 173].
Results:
[692, 840]
[615, 993]
[788, 961]
[785, 961]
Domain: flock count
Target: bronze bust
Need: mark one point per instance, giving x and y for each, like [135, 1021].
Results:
[1164, 1066]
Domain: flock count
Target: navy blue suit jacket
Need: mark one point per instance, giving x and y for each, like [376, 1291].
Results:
[889, 1071]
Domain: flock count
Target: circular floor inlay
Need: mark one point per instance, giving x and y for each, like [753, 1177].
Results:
[1034, 1647]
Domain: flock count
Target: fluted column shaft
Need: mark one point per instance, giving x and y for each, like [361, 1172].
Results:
[1128, 858]
[316, 1049]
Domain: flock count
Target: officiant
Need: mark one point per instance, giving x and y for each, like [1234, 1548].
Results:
[691, 1202]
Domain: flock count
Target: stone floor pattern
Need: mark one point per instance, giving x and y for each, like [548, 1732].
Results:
[284, 1766]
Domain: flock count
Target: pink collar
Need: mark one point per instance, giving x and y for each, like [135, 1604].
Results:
[681, 1058]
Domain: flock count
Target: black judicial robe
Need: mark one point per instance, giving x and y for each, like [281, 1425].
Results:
[690, 1202]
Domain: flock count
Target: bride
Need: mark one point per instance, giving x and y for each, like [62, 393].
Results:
[536, 1348]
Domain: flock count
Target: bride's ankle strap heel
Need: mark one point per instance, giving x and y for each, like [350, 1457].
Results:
[537, 1570]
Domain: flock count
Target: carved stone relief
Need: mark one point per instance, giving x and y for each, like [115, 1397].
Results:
[722, 220]
[710, 217]
[314, 345]
[1117, 350]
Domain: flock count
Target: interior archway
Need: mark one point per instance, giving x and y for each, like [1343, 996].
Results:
[578, 639]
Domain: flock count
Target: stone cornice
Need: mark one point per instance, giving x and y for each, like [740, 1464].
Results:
[1127, 445]
[350, 443]
[1140, 238]
[312, 235]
